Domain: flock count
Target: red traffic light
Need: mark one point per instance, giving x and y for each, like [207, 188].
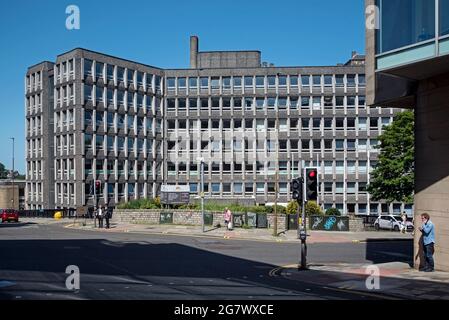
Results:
[312, 174]
[97, 183]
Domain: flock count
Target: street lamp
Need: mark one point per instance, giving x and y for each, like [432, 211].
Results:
[201, 160]
[13, 175]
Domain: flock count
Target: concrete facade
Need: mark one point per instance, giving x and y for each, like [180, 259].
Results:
[424, 86]
[135, 127]
[432, 164]
[12, 196]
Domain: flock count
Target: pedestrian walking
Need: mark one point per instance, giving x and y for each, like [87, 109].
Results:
[107, 216]
[228, 218]
[404, 223]
[428, 231]
[100, 217]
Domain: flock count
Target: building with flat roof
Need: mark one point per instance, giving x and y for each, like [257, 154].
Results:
[134, 127]
[12, 194]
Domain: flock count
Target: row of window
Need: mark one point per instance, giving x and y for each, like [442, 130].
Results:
[284, 124]
[64, 95]
[272, 81]
[122, 190]
[118, 144]
[329, 167]
[65, 69]
[64, 144]
[65, 192]
[34, 170]
[374, 208]
[119, 98]
[34, 191]
[118, 74]
[121, 121]
[34, 126]
[34, 147]
[262, 103]
[34, 81]
[360, 145]
[33, 103]
[263, 188]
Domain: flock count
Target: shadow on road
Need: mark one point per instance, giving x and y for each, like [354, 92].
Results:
[42, 261]
[397, 250]
[16, 224]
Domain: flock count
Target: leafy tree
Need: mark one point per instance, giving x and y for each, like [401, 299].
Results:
[333, 212]
[3, 171]
[292, 207]
[313, 209]
[393, 176]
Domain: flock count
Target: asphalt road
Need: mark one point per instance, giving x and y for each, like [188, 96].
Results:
[34, 257]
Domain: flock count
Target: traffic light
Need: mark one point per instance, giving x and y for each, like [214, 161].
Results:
[311, 184]
[297, 189]
[97, 187]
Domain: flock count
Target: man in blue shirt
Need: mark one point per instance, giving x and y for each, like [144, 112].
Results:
[428, 232]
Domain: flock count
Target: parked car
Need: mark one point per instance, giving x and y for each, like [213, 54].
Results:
[391, 222]
[9, 215]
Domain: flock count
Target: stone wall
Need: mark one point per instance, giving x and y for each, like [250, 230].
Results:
[356, 224]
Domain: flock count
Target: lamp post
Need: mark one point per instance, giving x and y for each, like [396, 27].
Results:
[276, 180]
[13, 175]
[201, 160]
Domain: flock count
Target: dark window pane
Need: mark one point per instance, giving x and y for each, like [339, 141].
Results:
[444, 17]
[405, 22]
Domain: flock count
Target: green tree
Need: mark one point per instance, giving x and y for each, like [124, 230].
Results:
[333, 212]
[393, 176]
[313, 209]
[3, 171]
[292, 207]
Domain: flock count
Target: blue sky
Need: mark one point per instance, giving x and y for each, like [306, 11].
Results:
[288, 32]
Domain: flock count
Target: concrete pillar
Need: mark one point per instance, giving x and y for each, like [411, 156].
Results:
[193, 52]
[432, 165]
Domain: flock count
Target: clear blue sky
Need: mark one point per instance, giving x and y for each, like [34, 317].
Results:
[288, 32]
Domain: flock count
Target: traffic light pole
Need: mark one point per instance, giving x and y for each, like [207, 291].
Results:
[303, 237]
[95, 203]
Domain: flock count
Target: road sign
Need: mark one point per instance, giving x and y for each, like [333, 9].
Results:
[175, 194]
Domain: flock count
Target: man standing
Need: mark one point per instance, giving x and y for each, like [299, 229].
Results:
[428, 231]
[100, 217]
[107, 216]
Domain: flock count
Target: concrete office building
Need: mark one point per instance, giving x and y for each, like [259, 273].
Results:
[408, 67]
[135, 127]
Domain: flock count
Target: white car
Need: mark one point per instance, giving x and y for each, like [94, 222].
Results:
[392, 222]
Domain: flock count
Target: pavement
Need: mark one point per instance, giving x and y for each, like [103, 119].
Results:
[341, 264]
[396, 280]
[243, 234]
